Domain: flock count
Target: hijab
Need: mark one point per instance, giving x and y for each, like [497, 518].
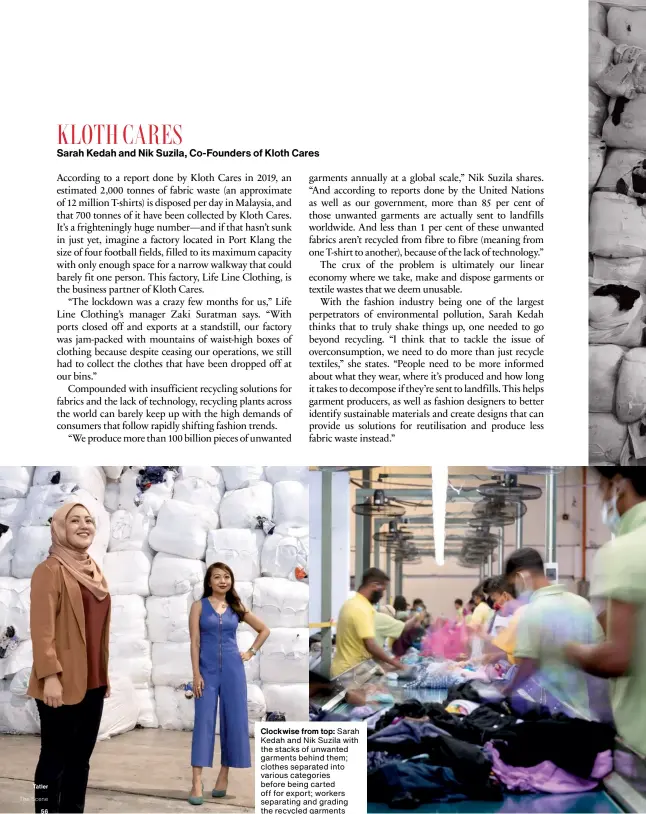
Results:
[73, 558]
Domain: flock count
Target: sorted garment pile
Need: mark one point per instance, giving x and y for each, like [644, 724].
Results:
[158, 528]
[617, 246]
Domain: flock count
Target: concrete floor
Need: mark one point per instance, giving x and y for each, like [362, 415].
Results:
[146, 770]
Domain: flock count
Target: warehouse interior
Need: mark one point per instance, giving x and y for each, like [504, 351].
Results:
[386, 517]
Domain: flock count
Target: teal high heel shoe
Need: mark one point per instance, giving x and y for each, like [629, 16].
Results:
[197, 801]
[218, 793]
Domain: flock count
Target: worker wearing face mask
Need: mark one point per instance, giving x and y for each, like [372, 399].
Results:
[355, 630]
[619, 580]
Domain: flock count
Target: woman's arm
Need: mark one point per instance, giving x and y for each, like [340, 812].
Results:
[194, 631]
[261, 629]
[44, 604]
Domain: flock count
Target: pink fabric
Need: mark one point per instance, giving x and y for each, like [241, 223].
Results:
[446, 641]
[546, 777]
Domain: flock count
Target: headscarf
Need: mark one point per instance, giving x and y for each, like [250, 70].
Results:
[74, 559]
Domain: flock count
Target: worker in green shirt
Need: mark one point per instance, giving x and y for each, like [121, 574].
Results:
[619, 579]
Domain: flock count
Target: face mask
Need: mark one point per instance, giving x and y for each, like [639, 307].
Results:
[610, 516]
[497, 606]
[375, 596]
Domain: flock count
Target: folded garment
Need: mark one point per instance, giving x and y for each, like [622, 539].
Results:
[546, 776]
[462, 707]
[359, 713]
[404, 733]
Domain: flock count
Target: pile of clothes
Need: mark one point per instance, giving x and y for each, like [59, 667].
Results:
[473, 748]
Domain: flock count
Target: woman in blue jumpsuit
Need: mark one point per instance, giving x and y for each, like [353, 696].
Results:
[219, 676]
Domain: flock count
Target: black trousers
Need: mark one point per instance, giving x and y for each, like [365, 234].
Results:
[67, 738]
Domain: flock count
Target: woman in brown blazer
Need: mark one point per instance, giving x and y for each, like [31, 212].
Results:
[70, 629]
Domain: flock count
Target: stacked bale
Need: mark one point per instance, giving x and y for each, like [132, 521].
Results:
[617, 285]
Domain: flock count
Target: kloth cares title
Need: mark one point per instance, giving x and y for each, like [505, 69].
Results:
[98, 141]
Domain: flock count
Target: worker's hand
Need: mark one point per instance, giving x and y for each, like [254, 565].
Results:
[397, 665]
[53, 691]
[198, 685]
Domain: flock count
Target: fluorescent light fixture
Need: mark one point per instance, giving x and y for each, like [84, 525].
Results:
[440, 484]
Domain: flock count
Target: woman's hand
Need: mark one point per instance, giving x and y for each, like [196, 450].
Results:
[247, 655]
[108, 690]
[198, 685]
[53, 691]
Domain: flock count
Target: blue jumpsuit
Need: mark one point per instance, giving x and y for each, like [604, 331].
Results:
[224, 677]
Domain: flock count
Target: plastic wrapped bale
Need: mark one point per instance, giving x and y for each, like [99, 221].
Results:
[19, 682]
[132, 658]
[596, 158]
[16, 659]
[128, 617]
[242, 508]
[127, 572]
[200, 485]
[280, 603]
[245, 639]
[15, 606]
[121, 709]
[111, 499]
[275, 474]
[15, 481]
[630, 400]
[616, 314]
[617, 226]
[172, 664]
[627, 27]
[256, 707]
[30, 549]
[182, 529]
[624, 270]
[130, 531]
[174, 709]
[239, 549]
[18, 714]
[290, 699]
[597, 18]
[600, 55]
[146, 702]
[284, 658]
[619, 164]
[630, 130]
[245, 592]
[113, 472]
[176, 575]
[151, 499]
[89, 478]
[597, 111]
[291, 503]
[607, 439]
[12, 510]
[167, 617]
[6, 551]
[285, 552]
[239, 477]
[604, 364]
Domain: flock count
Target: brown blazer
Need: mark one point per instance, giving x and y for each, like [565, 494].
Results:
[58, 632]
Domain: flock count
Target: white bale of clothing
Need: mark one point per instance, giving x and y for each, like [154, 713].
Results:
[610, 320]
[19, 682]
[607, 439]
[132, 658]
[111, 499]
[127, 572]
[120, 709]
[241, 508]
[88, 478]
[182, 529]
[12, 510]
[597, 18]
[617, 225]
[600, 55]
[150, 499]
[17, 658]
[128, 617]
[291, 503]
[15, 603]
[130, 531]
[15, 481]
[245, 639]
[284, 657]
[172, 663]
[18, 714]
[174, 709]
[280, 603]
[275, 474]
[176, 575]
[238, 548]
[630, 132]
[201, 485]
[284, 551]
[167, 617]
[619, 164]
[146, 702]
[597, 111]
[604, 364]
[7, 541]
[256, 706]
[627, 27]
[113, 472]
[239, 477]
[624, 270]
[596, 158]
[245, 592]
[30, 548]
[630, 399]
[290, 699]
